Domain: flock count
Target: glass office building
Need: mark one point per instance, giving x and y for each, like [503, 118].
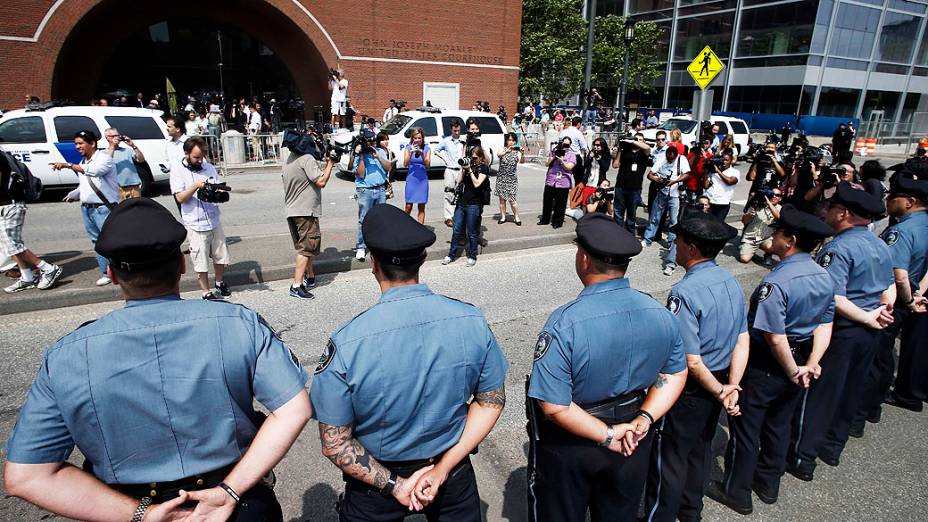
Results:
[840, 58]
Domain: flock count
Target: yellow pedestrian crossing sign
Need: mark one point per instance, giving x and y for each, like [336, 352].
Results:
[705, 67]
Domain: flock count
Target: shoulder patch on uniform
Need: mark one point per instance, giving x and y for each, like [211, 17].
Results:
[763, 292]
[267, 325]
[825, 260]
[673, 304]
[891, 237]
[541, 346]
[326, 358]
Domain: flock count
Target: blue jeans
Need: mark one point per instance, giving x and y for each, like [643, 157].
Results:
[589, 116]
[367, 198]
[466, 217]
[625, 202]
[661, 202]
[93, 224]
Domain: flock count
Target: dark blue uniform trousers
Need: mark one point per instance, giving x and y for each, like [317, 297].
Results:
[827, 408]
[680, 458]
[880, 376]
[912, 376]
[759, 440]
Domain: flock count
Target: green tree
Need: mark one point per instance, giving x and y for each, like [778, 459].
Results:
[553, 54]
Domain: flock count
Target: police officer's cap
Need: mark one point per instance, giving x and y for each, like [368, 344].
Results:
[802, 224]
[606, 240]
[904, 185]
[393, 236]
[699, 225]
[139, 234]
[858, 201]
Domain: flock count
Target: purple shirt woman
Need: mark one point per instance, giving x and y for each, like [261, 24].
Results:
[558, 181]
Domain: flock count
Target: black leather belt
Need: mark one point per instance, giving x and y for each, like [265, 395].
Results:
[91, 205]
[615, 410]
[762, 355]
[404, 468]
[164, 491]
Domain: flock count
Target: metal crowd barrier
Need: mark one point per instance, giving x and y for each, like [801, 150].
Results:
[240, 151]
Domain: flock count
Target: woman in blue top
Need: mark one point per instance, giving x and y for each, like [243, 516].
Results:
[417, 160]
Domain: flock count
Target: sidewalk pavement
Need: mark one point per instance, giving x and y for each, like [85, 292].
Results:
[266, 258]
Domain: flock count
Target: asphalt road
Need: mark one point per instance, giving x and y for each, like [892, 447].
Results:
[882, 476]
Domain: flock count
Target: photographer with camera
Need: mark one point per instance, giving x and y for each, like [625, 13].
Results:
[303, 184]
[633, 159]
[418, 159]
[197, 188]
[338, 84]
[825, 184]
[763, 209]
[371, 166]
[767, 170]
[125, 159]
[801, 171]
[558, 182]
[720, 186]
[450, 150]
[600, 199]
[577, 145]
[667, 173]
[699, 158]
[471, 194]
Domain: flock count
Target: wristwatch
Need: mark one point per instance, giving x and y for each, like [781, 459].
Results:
[610, 434]
[387, 488]
[140, 511]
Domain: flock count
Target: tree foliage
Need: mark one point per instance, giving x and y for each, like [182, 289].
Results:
[553, 54]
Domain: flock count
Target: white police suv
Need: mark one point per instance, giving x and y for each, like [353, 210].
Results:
[44, 134]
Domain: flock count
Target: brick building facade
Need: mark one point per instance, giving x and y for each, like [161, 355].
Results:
[55, 49]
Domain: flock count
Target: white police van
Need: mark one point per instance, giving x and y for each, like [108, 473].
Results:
[44, 134]
[436, 124]
[736, 127]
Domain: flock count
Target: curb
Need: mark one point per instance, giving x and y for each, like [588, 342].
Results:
[64, 298]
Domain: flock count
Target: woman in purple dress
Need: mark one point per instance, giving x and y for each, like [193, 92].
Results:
[418, 160]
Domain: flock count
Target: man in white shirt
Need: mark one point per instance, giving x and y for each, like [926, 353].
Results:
[338, 84]
[721, 187]
[390, 112]
[97, 189]
[204, 230]
[174, 148]
[577, 145]
[669, 173]
[450, 151]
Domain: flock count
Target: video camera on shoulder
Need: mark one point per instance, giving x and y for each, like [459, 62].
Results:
[214, 192]
[831, 176]
[759, 199]
[560, 149]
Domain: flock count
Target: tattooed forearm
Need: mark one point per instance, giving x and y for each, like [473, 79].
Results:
[495, 399]
[661, 380]
[350, 456]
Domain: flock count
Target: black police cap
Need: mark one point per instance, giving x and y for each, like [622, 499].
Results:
[908, 186]
[699, 225]
[393, 236]
[139, 234]
[606, 240]
[803, 224]
[858, 201]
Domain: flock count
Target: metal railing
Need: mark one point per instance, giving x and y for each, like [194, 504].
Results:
[240, 151]
[904, 134]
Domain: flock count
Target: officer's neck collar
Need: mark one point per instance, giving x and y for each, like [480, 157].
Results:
[798, 256]
[606, 286]
[152, 300]
[405, 292]
[913, 213]
[705, 263]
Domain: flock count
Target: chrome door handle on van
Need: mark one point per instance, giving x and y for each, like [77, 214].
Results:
[40, 151]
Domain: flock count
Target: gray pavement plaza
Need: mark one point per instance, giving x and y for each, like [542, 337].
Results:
[882, 476]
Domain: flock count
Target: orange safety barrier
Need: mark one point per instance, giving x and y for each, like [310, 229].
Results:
[860, 146]
[871, 147]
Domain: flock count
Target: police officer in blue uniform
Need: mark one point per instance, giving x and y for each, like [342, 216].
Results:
[859, 264]
[589, 412]
[709, 304]
[393, 389]
[908, 243]
[158, 396]
[789, 322]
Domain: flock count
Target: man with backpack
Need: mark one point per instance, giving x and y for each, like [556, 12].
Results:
[17, 187]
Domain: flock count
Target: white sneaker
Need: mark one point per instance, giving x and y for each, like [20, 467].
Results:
[645, 244]
[360, 254]
[471, 261]
[48, 278]
[668, 270]
[103, 281]
[447, 260]
[19, 286]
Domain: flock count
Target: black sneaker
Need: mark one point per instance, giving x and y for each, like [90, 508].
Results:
[223, 289]
[212, 296]
[301, 293]
[309, 282]
[715, 492]
[764, 495]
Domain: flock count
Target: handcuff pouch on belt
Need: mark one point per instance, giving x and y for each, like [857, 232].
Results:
[762, 354]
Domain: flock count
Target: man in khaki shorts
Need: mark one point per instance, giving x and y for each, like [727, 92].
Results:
[303, 182]
[757, 232]
[204, 230]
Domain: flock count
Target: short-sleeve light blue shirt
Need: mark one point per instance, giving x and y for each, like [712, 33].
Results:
[793, 299]
[402, 373]
[160, 390]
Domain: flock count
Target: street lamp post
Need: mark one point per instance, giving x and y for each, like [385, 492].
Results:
[628, 37]
[589, 58]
